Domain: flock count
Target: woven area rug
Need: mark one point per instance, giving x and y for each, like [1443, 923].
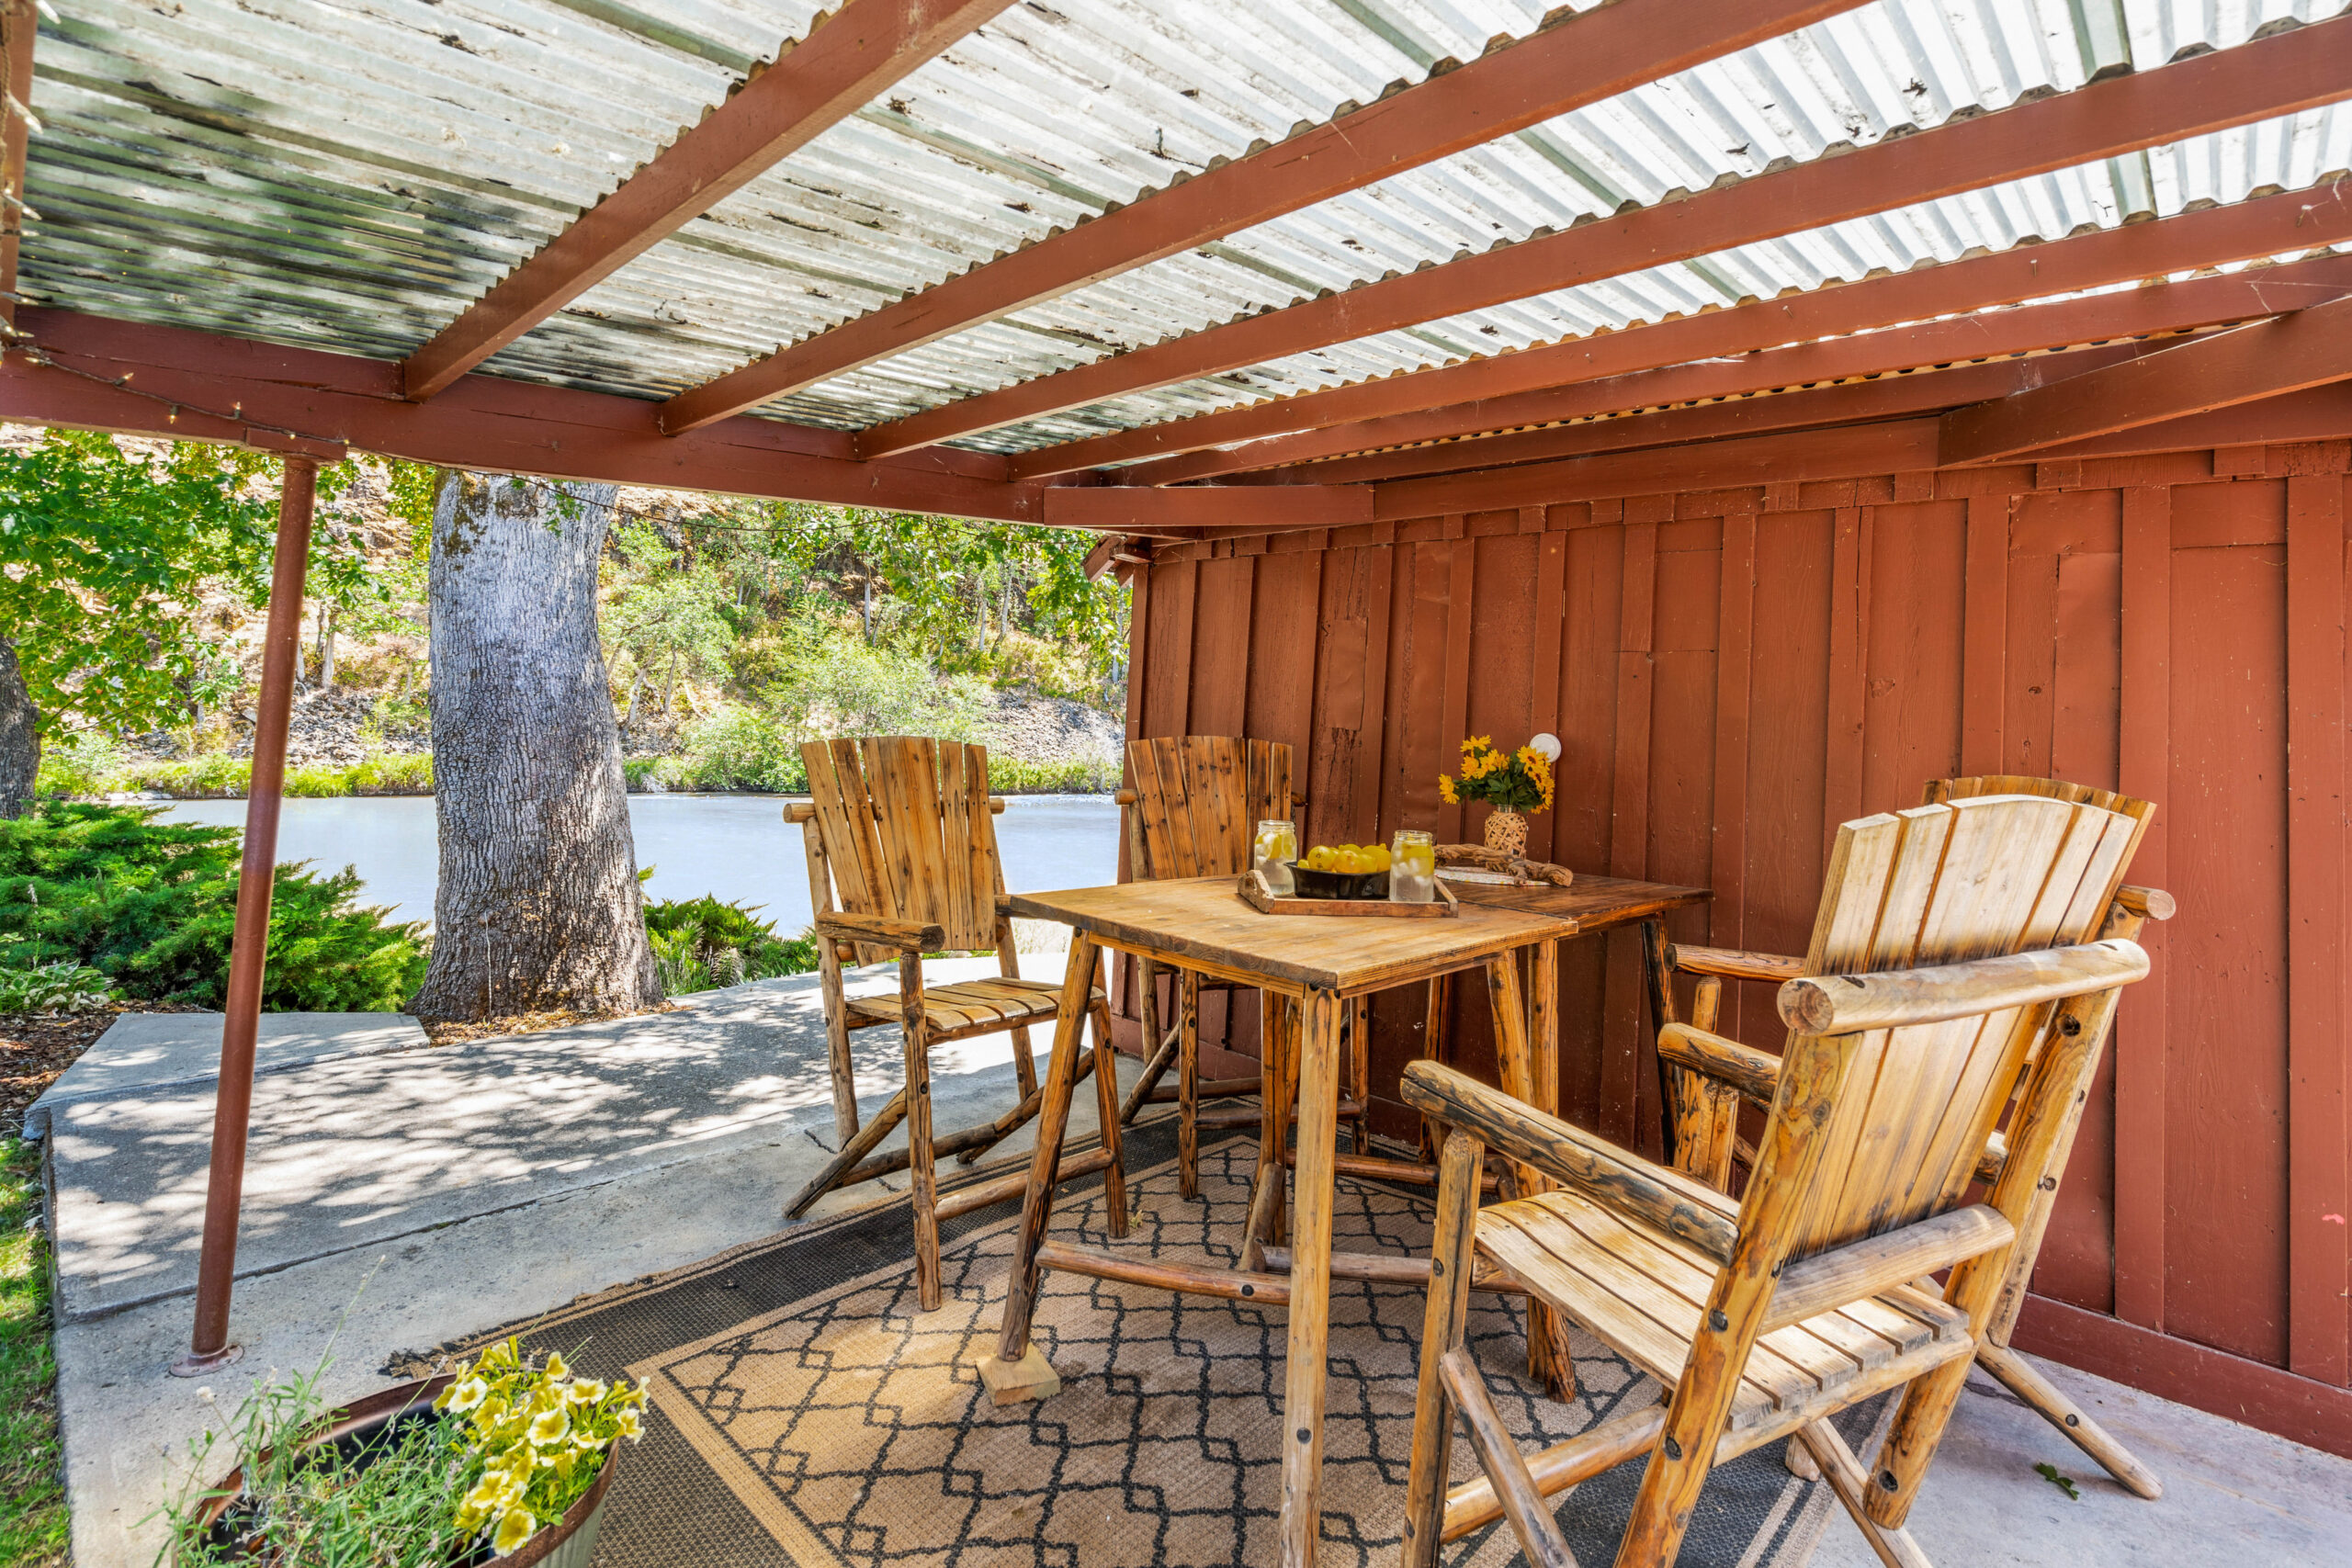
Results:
[805, 1414]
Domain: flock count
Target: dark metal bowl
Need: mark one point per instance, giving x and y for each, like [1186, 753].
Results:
[1340, 884]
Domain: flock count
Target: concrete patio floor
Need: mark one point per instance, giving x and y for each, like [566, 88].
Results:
[397, 1200]
[575, 1160]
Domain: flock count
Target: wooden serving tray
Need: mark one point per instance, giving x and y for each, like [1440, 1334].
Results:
[1257, 896]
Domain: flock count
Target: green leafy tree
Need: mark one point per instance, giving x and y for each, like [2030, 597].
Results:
[105, 554]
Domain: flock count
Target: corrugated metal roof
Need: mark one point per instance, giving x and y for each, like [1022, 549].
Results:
[351, 174]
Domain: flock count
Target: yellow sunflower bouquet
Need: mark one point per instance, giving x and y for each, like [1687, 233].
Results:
[1509, 781]
[541, 1431]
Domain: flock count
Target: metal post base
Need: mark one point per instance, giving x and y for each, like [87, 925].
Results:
[195, 1366]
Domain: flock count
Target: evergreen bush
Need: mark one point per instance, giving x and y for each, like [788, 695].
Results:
[702, 943]
[152, 906]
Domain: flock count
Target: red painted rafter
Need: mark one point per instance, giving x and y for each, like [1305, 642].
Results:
[1890, 396]
[1579, 61]
[19, 26]
[845, 64]
[2280, 74]
[2310, 348]
[1489, 394]
[2134, 312]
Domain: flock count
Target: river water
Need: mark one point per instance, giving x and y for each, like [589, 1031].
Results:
[737, 846]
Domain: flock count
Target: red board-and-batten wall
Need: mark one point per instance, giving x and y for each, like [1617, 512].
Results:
[1734, 673]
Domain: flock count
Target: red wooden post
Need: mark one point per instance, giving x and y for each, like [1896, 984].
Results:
[209, 1347]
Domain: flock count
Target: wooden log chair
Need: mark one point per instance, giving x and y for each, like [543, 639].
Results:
[1949, 963]
[900, 837]
[1708, 1091]
[1194, 810]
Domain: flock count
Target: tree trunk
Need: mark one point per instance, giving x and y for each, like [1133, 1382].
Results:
[540, 906]
[326, 643]
[20, 736]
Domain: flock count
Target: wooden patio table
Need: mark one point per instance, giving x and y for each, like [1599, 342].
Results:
[1316, 967]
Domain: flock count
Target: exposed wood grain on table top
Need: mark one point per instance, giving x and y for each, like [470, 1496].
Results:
[1589, 904]
[1203, 922]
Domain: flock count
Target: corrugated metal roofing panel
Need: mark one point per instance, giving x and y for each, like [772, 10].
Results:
[351, 174]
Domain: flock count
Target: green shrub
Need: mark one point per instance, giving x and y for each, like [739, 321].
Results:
[152, 906]
[702, 943]
[83, 764]
[392, 772]
[1073, 775]
[738, 748]
[63, 986]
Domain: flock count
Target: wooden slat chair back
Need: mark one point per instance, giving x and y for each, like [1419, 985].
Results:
[1198, 801]
[1192, 809]
[909, 833]
[900, 833]
[1951, 939]
[1708, 1147]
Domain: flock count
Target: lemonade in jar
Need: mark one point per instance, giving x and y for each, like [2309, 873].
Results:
[1412, 867]
[1273, 853]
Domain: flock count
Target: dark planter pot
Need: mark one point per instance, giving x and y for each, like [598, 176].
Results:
[1340, 883]
[568, 1544]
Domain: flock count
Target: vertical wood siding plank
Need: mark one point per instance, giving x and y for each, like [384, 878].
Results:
[1380, 599]
[1735, 639]
[1842, 796]
[1629, 799]
[1543, 669]
[1985, 636]
[2146, 768]
[2319, 1193]
[1453, 724]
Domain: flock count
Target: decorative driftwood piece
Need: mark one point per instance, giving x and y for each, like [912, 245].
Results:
[1526, 871]
[1265, 901]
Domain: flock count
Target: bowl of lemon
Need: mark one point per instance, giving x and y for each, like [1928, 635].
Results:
[1342, 871]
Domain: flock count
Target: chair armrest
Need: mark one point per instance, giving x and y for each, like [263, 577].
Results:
[1664, 1200]
[1124, 797]
[906, 936]
[1733, 966]
[1754, 1074]
[996, 805]
[1846, 1004]
[2148, 903]
[800, 811]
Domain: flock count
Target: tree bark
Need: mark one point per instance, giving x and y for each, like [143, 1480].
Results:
[20, 736]
[538, 907]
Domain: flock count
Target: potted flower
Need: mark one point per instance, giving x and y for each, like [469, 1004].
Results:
[1514, 783]
[506, 1459]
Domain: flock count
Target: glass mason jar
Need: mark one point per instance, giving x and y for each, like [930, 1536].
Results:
[1412, 867]
[1273, 852]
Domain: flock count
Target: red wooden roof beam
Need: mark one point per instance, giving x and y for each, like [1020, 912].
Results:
[846, 63]
[1579, 60]
[2280, 75]
[2123, 313]
[1444, 397]
[2303, 348]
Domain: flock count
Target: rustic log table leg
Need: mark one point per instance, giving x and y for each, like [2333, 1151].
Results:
[1549, 1360]
[1660, 976]
[1320, 1072]
[1276, 1024]
[1017, 1371]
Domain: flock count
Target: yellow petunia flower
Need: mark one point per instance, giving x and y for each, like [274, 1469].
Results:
[515, 1528]
[551, 1428]
[1445, 790]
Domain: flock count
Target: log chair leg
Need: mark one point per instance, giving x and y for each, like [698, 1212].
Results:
[1024, 1061]
[1317, 1033]
[1106, 1101]
[1836, 1462]
[1017, 1371]
[1160, 1054]
[1437, 1048]
[1360, 1073]
[1290, 1033]
[1658, 977]
[920, 1154]
[2019, 1376]
[1443, 1321]
[1269, 1189]
[1188, 1084]
[859, 1146]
